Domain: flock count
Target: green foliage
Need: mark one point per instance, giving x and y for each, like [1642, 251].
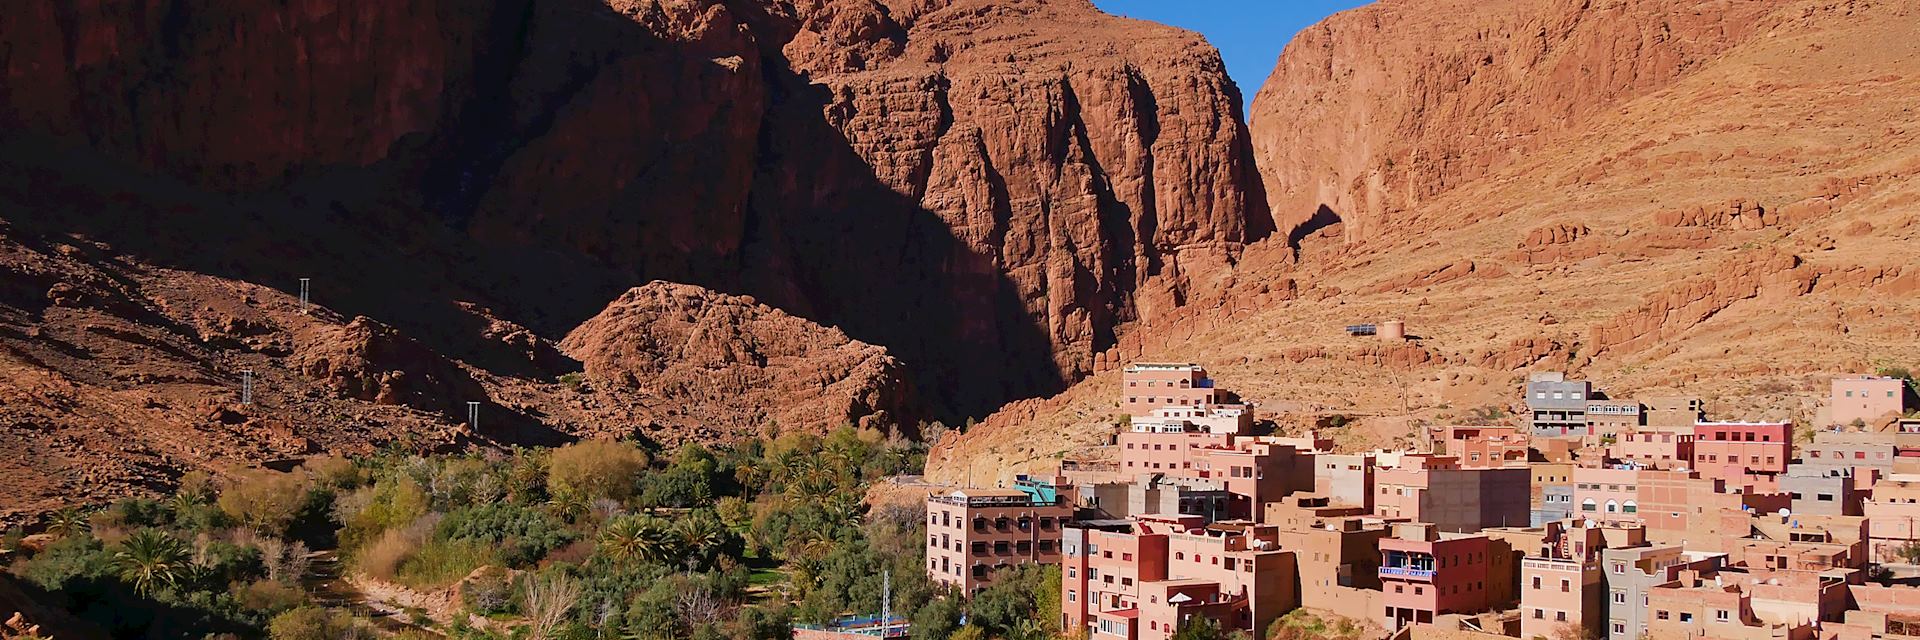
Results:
[441, 562]
[490, 592]
[629, 540]
[264, 500]
[150, 559]
[938, 620]
[522, 536]
[389, 503]
[688, 482]
[314, 623]
[1018, 595]
[68, 521]
[1200, 628]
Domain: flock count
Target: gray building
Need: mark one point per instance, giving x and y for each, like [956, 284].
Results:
[1629, 573]
[1154, 494]
[1848, 450]
[1556, 503]
[1821, 491]
[1559, 405]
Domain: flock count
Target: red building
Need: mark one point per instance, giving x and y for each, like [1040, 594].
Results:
[1733, 451]
[1425, 573]
[1146, 579]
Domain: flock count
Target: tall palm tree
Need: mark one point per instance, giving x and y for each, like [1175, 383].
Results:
[636, 539]
[150, 558]
[700, 536]
[67, 521]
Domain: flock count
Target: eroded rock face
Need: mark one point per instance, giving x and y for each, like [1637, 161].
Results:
[743, 365]
[1377, 110]
[989, 188]
[371, 362]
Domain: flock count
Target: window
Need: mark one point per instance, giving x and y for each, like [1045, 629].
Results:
[1566, 586]
[1619, 597]
[1660, 614]
[1686, 617]
[1720, 614]
[1536, 582]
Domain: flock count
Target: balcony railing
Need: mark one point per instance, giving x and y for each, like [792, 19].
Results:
[1407, 572]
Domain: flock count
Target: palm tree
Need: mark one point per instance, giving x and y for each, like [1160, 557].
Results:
[151, 558]
[634, 539]
[67, 521]
[570, 505]
[700, 535]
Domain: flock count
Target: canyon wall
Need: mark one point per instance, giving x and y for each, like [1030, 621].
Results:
[989, 189]
[1376, 111]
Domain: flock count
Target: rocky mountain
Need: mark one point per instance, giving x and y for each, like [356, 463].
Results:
[1714, 198]
[989, 191]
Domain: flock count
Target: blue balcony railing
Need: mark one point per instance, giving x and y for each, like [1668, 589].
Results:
[1407, 572]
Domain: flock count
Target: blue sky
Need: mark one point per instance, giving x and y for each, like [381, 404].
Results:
[1249, 33]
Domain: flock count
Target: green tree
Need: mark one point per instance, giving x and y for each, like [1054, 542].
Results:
[264, 499]
[629, 540]
[67, 521]
[150, 559]
[313, 623]
[1200, 628]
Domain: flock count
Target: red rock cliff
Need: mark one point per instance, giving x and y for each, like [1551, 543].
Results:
[989, 189]
[1379, 109]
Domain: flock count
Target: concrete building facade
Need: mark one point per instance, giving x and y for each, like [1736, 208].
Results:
[972, 533]
[1653, 449]
[1437, 490]
[1862, 400]
[1558, 405]
[1733, 450]
[1425, 573]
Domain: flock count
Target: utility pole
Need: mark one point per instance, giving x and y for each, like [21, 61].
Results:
[306, 288]
[473, 416]
[246, 387]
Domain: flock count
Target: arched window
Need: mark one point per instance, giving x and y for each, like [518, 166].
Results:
[1613, 507]
[1630, 507]
[1588, 505]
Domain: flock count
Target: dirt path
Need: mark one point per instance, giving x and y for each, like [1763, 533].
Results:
[380, 603]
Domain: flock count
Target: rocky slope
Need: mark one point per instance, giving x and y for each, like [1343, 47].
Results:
[987, 190]
[741, 364]
[1714, 198]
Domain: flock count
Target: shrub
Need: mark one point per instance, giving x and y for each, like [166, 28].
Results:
[489, 592]
[382, 557]
[314, 623]
[439, 563]
[523, 535]
[264, 499]
[596, 469]
[367, 513]
[269, 596]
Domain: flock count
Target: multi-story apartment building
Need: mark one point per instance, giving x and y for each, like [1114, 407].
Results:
[1606, 494]
[1550, 492]
[1425, 573]
[1146, 581]
[1821, 491]
[1893, 517]
[1335, 554]
[1732, 451]
[1679, 507]
[1854, 451]
[1696, 606]
[972, 533]
[1558, 595]
[1863, 400]
[1653, 449]
[1344, 479]
[1150, 386]
[1437, 490]
[1558, 405]
[1608, 417]
[1157, 494]
[1628, 574]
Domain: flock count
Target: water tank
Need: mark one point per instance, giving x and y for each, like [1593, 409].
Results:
[1393, 330]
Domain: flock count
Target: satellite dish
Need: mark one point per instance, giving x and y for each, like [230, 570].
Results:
[1785, 512]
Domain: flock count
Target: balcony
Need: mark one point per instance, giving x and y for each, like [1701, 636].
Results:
[1407, 572]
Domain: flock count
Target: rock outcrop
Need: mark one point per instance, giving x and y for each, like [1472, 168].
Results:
[1052, 170]
[743, 365]
[372, 362]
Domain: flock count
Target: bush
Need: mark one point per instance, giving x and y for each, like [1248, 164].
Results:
[269, 596]
[489, 592]
[264, 499]
[314, 623]
[382, 557]
[439, 563]
[523, 535]
[596, 469]
[369, 512]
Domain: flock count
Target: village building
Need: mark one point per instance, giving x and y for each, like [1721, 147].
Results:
[1822, 491]
[1550, 492]
[1649, 449]
[1157, 494]
[1679, 507]
[1558, 405]
[1150, 386]
[1476, 446]
[1437, 490]
[1145, 581]
[1893, 518]
[1609, 417]
[1606, 494]
[1865, 454]
[1735, 451]
[1345, 479]
[1426, 573]
[1628, 573]
[1697, 605]
[1865, 400]
[973, 533]
[1674, 413]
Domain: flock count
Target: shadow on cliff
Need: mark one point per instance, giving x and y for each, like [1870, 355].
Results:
[822, 237]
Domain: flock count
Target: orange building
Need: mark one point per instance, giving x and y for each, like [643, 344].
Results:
[1437, 490]
[1653, 449]
[1866, 399]
[1483, 446]
[1425, 573]
[1150, 386]
[1146, 580]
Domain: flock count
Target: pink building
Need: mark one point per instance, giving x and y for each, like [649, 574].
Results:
[1893, 517]
[1425, 573]
[1484, 446]
[971, 533]
[1560, 593]
[1653, 449]
[1150, 386]
[1437, 490]
[1147, 448]
[1146, 580]
[1733, 451]
[1255, 470]
[1606, 494]
[1866, 399]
